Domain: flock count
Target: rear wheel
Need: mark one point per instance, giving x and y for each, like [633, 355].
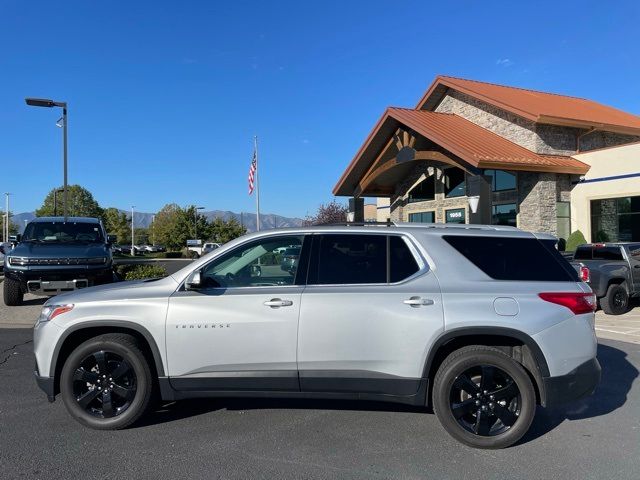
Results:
[483, 398]
[12, 293]
[106, 382]
[616, 301]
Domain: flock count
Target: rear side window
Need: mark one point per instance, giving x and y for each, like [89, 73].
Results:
[360, 259]
[402, 263]
[352, 259]
[523, 259]
[598, 252]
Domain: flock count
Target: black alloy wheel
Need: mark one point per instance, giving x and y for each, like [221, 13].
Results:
[485, 400]
[106, 382]
[483, 397]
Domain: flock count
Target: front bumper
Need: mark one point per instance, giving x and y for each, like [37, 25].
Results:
[59, 279]
[578, 383]
[47, 385]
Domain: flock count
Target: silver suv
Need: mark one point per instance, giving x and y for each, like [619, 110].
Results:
[480, 323]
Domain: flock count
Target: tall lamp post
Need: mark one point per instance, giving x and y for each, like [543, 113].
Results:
[195, 221]
[132, 231]
[5, 226]
[44, 102]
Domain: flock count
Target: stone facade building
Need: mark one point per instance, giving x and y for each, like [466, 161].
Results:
[512, 150]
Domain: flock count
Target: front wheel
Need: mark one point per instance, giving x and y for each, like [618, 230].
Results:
[106, 382]
[12, 293]
[483, 398]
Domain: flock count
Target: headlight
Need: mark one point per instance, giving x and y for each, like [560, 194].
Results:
[49, 312]
[97, 261]
[18, 261]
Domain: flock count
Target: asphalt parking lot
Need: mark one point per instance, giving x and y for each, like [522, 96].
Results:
[598, 437]
[595, 438]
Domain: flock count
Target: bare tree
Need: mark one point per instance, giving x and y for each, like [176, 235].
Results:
[332, 212]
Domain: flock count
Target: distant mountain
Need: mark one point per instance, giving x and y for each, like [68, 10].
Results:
[142, 219]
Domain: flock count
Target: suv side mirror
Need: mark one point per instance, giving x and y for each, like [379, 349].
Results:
[194, 281]
[112, 239]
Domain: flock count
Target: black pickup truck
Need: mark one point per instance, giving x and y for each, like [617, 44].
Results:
[614, 271]
[54, 256]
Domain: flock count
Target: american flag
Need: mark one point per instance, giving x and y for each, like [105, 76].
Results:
[252, 171]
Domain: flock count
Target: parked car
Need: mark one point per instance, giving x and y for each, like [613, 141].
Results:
[5, 248]
[115, 248]
[434, 315]
[126, 250]
[55, 256]
[209, 247]
[290, 258]
[614, 273]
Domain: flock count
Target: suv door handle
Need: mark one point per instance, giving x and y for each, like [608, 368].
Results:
[277, 303]
[418, 301]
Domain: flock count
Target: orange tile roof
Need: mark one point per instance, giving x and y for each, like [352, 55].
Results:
[475, 145]
[540, 107]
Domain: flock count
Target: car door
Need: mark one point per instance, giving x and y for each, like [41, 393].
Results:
[369, 312]
[634, 261]
[238, 329]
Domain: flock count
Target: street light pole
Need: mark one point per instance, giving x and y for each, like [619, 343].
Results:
[44, 102]
[132, 231]
[5, 227]
[195, 221]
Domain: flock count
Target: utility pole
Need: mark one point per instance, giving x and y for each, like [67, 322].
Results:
[5, 230]
[132, 231]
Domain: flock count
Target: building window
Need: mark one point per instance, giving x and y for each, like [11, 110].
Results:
[563, 215]
[425, 190]
[615, 220]
[504, 214]
[422, 217]
[454, 182]
[501, 180]
[456, 215]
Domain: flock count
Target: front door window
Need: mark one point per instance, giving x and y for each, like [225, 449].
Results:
[266, 262]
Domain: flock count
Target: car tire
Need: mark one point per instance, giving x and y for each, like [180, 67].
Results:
[492, 420]
[106, 382]
[616, 300]
[194, 256]
[12, 292]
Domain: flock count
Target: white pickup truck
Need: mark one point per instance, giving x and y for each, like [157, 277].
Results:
[197, 249]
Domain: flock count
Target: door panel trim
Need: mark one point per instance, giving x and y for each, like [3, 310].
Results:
[251, 380]
[357, 381]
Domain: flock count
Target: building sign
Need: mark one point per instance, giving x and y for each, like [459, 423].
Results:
[456, 215]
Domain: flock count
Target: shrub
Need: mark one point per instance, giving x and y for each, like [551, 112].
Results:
[575, 239]
[171, 255]
[141, 272]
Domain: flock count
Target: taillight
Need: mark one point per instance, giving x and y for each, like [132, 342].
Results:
[576, 302]
[584, 273]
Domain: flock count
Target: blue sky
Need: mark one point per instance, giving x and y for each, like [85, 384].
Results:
[165, 97]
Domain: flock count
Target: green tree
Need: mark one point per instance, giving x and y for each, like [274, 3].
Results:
[225, 231]
[169, 227]
[575, 240]
[80, 203]
[116, 223]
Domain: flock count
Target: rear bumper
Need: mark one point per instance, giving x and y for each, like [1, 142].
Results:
[578, 383]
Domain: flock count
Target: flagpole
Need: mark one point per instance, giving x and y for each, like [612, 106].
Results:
[257, 175]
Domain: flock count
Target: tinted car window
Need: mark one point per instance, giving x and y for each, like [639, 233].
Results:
[62, 232]
[607, 253]
[402, 262]
[525, 259]
[350, 259]
[584, 253]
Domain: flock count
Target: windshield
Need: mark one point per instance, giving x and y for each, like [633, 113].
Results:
[61, 232]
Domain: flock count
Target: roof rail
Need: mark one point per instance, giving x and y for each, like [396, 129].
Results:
[458, 226]
[359, 224]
